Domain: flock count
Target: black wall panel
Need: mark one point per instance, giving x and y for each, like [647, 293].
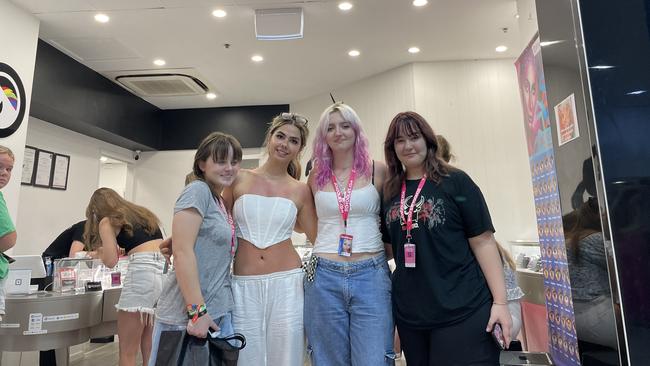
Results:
[73, 96]
[184, 128]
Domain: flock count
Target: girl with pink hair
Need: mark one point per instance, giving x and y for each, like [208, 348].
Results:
[348, 318]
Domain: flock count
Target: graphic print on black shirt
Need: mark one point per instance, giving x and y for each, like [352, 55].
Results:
[447, 284]
[430, 211]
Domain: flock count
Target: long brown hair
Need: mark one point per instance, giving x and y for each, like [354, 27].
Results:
[411, 123]
[587, 222]
[444, 149]
[294, 169]
[105, 202]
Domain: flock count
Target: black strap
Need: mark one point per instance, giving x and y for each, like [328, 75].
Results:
[373, 173]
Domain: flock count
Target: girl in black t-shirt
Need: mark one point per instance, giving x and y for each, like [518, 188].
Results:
[448, 288]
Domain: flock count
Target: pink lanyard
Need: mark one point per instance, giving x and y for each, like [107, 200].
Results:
[231, 223]
[344, 202]
[409, 220]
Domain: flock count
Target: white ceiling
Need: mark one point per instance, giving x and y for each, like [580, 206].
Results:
[187, 36]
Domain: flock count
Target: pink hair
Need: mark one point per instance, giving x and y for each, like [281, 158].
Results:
[322, 155]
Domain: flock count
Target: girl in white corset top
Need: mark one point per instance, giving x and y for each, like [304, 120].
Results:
[348, 318]
[268, 202]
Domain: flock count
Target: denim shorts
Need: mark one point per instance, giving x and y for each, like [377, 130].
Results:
[348, 314]
[142, 283]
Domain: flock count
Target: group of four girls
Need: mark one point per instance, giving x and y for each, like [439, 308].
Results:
[444, 297]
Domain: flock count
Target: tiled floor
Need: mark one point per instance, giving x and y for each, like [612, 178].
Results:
[107, 355]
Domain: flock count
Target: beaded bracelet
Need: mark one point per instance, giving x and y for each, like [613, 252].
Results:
[194, 311]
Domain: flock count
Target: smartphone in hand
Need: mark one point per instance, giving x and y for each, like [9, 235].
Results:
[497, 335]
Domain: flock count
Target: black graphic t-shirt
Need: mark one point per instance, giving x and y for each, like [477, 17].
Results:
[447, 284]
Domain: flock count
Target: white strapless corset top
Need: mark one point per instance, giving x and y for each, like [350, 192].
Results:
[264, 221]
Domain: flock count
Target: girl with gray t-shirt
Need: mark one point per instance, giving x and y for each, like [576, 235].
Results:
[197, 296]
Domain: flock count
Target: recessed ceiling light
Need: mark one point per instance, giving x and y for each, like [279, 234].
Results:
[414, 50]
[219, 13]
[103, 159]
[102, 18]
[420, 2]
[257, 58]
[602, 67]
[159, 62]
[517, 16]
[211, 96]
[550, 43]
[354, 53]
[501, 49]
[636, 92]
[345, 6]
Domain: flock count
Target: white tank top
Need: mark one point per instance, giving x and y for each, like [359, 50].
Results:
[363, 221]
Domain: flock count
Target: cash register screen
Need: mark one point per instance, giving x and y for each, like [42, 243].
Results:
[31, 262]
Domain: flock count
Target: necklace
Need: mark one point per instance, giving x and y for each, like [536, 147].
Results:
[341, 180]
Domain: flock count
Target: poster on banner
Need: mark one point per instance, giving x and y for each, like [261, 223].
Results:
[566, 120]
[532, 91]
[559, 303]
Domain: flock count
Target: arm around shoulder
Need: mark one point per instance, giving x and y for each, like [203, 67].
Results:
[307, 219]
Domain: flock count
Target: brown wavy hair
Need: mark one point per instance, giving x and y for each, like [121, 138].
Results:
[294, 169]
[444, 149]
[105, 202]
[587, 222]
[409, 124]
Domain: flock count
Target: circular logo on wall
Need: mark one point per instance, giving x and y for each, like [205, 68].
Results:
[12, 100]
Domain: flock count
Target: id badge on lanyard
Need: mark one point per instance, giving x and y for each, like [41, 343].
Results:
[409, 248]
[343, 200]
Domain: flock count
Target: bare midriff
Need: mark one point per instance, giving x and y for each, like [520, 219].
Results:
[251, 260]
[354, 257]
[148, 246]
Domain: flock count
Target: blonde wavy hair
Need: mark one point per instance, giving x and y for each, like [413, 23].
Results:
[294, 169]
[105, 202]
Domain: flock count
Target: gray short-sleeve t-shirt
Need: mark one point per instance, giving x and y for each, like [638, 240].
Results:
[212, 250]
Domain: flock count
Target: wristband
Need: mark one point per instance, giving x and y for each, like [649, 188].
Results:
[499, 303]
[194, 311]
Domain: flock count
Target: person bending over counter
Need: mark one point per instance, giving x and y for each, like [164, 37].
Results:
[7, 229]
[113, 222]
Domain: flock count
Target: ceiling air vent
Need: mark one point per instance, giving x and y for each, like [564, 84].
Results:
[163, 85]
[278, 24]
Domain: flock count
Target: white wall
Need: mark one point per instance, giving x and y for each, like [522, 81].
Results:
[476, 105]
[159, 179]
[527, 21]
[376, 100]
[19, 52]
[113, 175]
[43, 213]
